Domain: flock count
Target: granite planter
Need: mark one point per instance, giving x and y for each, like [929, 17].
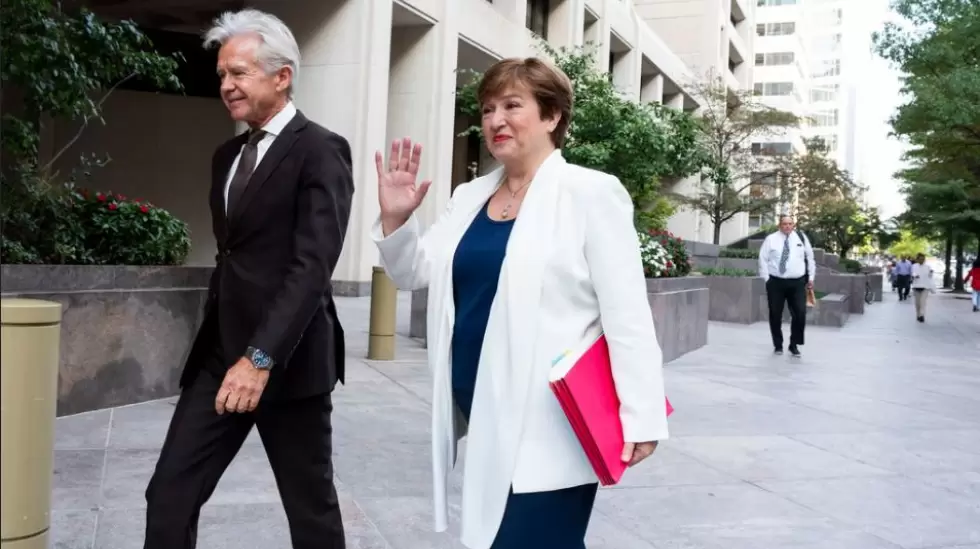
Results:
[680, 313]
[830, 310]
[736, 299]
[126, 331]
[679, 306]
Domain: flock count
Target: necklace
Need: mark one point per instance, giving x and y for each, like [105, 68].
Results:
[505, 213]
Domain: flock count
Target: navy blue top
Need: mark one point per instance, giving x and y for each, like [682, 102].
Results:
[476, 270]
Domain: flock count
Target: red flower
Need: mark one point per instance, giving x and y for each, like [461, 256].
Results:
[100, 197]
[120, 197]
[113, 206]
[670, 265]
[144, 209]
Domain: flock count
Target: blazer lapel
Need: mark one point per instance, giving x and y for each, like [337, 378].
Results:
[270, 161]
[219, 180]
[528, 252]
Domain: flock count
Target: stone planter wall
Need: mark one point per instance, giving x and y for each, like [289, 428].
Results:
[736, 299]
[680, 313]
[126, 331]
[830, 310]
[851, 285]
[679, 306]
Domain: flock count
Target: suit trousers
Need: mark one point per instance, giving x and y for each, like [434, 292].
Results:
[921, 299]
[200, 444]
[791, 292]
[904, 285]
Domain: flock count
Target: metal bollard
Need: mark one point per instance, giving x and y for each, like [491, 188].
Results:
[30, 336]
[384, 299]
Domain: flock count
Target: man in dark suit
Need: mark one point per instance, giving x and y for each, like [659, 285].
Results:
[271, 347]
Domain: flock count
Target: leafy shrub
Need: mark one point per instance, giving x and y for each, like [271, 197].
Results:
[62, 225]
[727, 271]
[738, 253]
[670, 261]
[850, 265]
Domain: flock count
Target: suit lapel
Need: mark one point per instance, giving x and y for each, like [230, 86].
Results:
[219, 180]
[270, 161]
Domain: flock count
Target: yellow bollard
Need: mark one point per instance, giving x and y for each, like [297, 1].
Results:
[384, 299]
[30, 335]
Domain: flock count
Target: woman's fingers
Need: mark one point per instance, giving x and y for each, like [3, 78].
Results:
[406, 154]
[379, 163]
[393, 157]
[416, 159]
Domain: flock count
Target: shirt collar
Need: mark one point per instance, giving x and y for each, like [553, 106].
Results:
[277, 123]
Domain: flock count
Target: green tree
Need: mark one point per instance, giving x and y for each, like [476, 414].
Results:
[57, 64]
[818, 181]
[736, 178]
[909, 245]
[938, 50]
[844, 225]
[640, 143]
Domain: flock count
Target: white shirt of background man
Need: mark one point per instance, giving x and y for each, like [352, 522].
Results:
[799, 252]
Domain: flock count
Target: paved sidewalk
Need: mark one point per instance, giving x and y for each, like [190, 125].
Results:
[870, 441]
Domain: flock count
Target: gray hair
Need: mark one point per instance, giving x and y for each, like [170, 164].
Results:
[277, 45]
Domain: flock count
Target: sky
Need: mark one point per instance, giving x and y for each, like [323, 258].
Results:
[878, 95]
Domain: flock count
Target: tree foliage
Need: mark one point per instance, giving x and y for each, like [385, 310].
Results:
[938, 50]
[54, 60]
[640, 143]
[57, 64]
[735, 179]
[818, 182]
[843, 225]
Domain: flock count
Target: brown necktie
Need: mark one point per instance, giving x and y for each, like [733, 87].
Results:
[246, 165]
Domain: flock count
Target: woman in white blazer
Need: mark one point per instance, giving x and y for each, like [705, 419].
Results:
[535, 258]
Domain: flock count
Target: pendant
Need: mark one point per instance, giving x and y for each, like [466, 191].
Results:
[505, 213]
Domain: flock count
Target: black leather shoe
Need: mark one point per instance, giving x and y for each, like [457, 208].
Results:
[795, 351]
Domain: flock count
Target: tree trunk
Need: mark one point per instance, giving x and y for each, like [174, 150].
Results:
[948, 275]
[960, 260]
[716, 239]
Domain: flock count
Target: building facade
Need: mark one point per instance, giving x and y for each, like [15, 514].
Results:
[372, 71]
[716, 39]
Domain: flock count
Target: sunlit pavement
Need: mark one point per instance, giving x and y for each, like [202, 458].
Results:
[870, 441]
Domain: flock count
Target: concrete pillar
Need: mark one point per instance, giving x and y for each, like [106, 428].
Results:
[675, 101]
[566, 26]
[343, 85]
[626, 73]
[652, 89]
[421, 101]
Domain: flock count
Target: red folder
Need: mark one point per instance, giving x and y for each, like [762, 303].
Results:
[586, 392]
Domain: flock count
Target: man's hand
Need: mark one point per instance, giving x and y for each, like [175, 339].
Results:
[242, 387]
[809, 285]
[635, 453]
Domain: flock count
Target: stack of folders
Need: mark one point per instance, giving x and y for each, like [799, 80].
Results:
[582, 381]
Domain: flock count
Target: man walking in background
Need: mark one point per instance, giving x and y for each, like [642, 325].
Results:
[903, 278]
[786, 264]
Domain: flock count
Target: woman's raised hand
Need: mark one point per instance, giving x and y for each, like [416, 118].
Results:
[397, 193]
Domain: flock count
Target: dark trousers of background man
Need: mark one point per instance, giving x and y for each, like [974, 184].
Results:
[791, 291]
[904, 286]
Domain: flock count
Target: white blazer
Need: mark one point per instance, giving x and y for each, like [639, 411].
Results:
[572, 267]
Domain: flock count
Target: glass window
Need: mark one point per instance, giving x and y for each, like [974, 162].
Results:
[775, 29]
[772, 148]
[777, 58]
[775, 2]
[823, 119]
[825, 68]
[537, 17]
[824, 93]
[773, 88]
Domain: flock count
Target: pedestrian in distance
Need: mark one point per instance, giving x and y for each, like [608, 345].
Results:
[786, 264]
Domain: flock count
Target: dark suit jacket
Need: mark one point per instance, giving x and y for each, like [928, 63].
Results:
[276, 254]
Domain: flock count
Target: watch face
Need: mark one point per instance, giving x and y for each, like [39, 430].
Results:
[260, 359]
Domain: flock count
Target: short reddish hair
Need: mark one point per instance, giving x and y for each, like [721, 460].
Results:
[549, 86]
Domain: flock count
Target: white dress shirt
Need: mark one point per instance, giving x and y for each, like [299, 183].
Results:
[800, 251]
[272, 129]
[922, 276]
